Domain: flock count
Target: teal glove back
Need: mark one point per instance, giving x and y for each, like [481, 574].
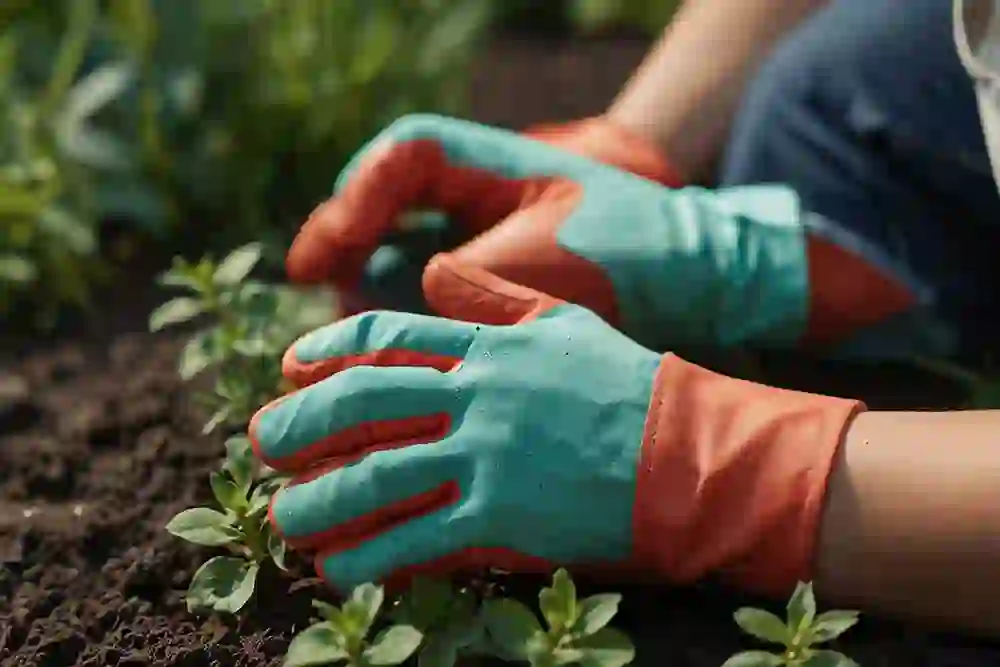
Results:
[420, 440]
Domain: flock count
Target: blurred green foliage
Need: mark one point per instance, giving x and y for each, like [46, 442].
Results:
[587, 16]
[235, 114]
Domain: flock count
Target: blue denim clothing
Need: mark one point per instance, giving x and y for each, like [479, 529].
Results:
[866, 111]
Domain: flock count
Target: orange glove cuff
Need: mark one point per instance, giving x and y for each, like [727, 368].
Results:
[733, 478]
[604, 141]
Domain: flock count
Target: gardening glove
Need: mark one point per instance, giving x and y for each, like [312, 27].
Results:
[391, 277]
[531, 434]
[667, 266]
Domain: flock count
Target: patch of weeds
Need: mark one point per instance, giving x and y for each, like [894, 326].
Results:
[240, 525]
[799, 634]
[250, 325]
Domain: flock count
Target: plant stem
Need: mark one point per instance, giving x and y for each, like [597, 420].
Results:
[72, 50]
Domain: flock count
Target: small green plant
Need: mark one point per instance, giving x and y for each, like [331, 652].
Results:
[226, 583]
[250, 326]
[341, 635]
[450, 619]
[577, 631]
[799, 634]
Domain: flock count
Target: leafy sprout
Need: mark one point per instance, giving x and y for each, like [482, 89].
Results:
[240, 525]
[250, 324]
[799, 634]
[449, 618]
[577, 631]
[342, 633]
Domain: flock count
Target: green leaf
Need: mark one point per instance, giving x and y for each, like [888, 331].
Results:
[74, 232]
[319, 644]
[801, 607]
[237, 265]
[224, 584]
[425, 604]
[175, 311]
[95, 148]
[596, 612]
[17, 269]
[227, 492]
[368, 597]
[754, 659]
[511, 624]
[393, 645]
[260, 499]
[605, 648]
[239, 461]
[98, 89]
[449, 36]
[438, 652]
[218, 418]
[831, 624]
[829, 659]
[204, 526]
[277, 548]
[565, 656]
[375, 43]
[196, 356]
[558, 603]
[764, 625]
[331, 613]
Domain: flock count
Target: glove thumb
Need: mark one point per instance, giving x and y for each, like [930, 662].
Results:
[464, 292]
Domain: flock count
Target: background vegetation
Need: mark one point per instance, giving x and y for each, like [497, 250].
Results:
[189, 123]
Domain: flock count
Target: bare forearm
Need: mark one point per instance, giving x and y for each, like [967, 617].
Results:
[912, 520]
[685, 93]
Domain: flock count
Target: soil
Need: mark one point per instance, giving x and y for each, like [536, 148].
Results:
[100, 446]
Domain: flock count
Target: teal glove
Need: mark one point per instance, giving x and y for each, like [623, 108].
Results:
[541, 436]
[521, 438]
[666, 266]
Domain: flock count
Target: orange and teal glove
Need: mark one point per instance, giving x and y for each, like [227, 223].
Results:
[666, 266]
[526, 433]
[390, 277]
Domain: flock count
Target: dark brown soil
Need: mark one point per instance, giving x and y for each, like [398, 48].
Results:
[99, 447]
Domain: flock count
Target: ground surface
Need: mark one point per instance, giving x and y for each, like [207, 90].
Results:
[99, 448]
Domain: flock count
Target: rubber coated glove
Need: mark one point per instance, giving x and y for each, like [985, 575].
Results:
[540, 436]
[668, 267]
[391, 277]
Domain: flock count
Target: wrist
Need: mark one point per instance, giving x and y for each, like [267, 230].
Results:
[733, 478]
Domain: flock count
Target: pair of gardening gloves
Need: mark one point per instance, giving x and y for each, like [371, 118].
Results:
[523, 426]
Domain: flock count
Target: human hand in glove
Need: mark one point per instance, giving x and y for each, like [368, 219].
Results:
[667, 267]
[525, 432]
[390, 275]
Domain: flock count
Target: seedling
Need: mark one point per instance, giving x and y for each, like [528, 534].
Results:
[226, 583]
[577, 631]
[341, 635]
[799, 634]
[252, 323]
[450, 619]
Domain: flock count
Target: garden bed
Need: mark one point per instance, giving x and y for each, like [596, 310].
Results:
[100, 447]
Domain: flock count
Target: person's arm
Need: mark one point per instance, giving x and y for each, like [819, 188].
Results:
[685, 93]
[912, 519]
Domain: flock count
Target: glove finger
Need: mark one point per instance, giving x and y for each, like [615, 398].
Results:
[466, 292]
[419, 162]
[346, 505]
[352, 413]
[525, 250]
[377, 338]
[425, 539]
